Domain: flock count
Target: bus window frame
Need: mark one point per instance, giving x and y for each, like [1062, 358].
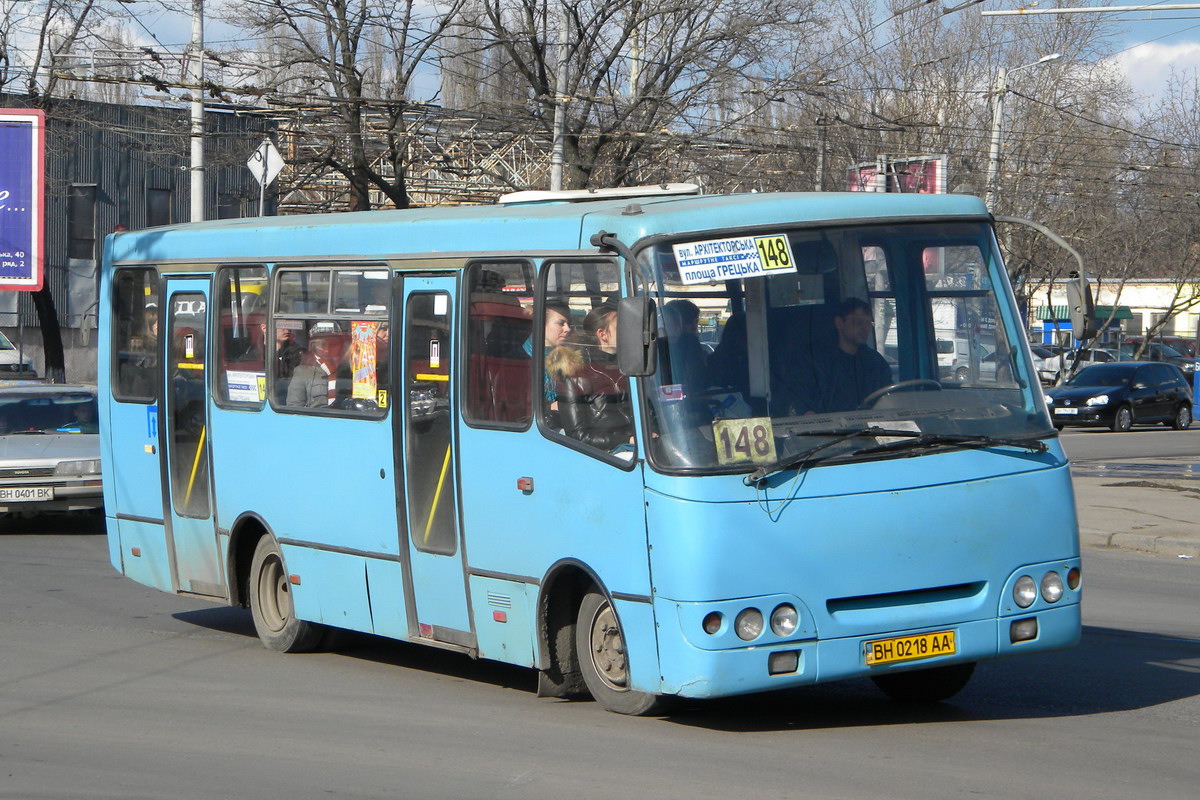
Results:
[530, 269]
[114, 355]
[328, 315]
[216, 337]
[539, 357]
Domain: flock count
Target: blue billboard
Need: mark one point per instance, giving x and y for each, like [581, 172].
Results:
[22, 142]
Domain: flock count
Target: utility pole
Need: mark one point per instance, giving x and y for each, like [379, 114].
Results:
[560, 100]
[819, 184]
[196, 78]
[998, 92]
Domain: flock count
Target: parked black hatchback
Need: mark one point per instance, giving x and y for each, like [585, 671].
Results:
[1122, 394]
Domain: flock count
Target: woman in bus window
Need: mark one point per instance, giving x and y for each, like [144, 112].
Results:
[593, 395]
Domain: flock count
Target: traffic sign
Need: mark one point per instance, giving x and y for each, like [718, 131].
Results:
[265, 163]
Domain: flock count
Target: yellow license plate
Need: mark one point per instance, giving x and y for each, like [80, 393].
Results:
[910, 648]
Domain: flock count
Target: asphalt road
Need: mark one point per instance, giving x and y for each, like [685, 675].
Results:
[1095, 444]
[112, 690]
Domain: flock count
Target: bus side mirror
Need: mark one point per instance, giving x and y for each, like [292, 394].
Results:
[1082, 307]
[637, 334]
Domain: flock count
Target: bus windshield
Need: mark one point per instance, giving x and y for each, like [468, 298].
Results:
[833, 341]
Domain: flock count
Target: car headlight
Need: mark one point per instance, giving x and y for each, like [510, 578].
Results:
[1049, 400]
[1099, 400]
[89, 467]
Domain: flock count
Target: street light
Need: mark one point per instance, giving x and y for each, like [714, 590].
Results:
[1000, 90]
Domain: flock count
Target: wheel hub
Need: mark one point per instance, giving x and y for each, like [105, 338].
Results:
[608, 649]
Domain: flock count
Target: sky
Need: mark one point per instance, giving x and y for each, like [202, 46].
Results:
[1154, 44]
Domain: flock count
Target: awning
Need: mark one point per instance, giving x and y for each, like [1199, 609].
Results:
[1060, 313]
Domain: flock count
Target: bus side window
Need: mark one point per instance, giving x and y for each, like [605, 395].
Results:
[499, 329]
[242, 337]
[135, 334]
[585, 397]
[332, 357]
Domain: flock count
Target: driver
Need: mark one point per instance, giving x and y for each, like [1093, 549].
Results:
[840, 379]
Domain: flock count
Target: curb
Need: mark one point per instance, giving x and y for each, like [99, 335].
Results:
[1157, 545]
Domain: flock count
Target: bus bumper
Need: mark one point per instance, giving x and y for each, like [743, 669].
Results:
[696, 672]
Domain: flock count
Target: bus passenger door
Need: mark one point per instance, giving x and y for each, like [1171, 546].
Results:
[190, 523]
[436, 595]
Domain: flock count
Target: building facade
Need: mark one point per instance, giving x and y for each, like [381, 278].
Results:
[110, 167]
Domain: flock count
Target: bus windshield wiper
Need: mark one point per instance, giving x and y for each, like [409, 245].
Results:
[810, 456]
[960, 439]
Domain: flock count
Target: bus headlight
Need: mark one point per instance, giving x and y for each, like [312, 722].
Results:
[749, 624]
[1052, 587]
[1024, 591]
[784, 620]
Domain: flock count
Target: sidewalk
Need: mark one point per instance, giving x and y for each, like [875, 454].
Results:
[1149, 505]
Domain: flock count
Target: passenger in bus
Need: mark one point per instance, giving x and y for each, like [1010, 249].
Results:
[137, 374]
[684, 355]
[557, 328]
[287, 357]
[840, 379]
[593, 395]
[314, 383]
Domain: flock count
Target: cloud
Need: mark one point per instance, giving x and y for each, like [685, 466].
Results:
[1149, 66]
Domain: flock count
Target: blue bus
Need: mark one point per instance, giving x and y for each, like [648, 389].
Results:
[651, 443]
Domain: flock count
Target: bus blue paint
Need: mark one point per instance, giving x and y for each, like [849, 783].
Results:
[399, 510]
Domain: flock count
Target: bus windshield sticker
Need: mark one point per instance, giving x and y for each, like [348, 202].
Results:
[744, 441]
[671, 392]
[737, 257]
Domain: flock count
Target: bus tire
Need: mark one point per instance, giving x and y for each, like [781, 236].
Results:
[271, 604]
[600, 645]
[931, 685]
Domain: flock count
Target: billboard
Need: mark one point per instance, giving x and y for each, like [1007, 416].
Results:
[22, 201]
[908, 174]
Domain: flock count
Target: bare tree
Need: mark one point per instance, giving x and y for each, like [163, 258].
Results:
[633, 78]
[358, 58]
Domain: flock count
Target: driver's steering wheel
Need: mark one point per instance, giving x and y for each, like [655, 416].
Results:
[870, 399]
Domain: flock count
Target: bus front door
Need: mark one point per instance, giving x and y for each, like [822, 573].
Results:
[190, 523]
[436, 594]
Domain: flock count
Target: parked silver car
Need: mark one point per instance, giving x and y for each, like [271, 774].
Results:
[49, 448]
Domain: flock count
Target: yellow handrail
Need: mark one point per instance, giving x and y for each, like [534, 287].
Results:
[437, 494]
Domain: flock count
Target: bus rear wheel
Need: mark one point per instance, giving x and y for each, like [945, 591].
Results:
[925, 685]
[603, 661]
[271, 604]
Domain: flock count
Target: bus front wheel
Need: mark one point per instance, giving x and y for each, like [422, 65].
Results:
[271, 604]
[603, 661]
[925, 685]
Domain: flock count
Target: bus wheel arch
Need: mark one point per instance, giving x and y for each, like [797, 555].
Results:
[581, 643]
[264, 586]
[243, 538]
[561, 594]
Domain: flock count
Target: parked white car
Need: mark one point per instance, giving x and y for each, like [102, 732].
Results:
[12, 363]
[1093, 355]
